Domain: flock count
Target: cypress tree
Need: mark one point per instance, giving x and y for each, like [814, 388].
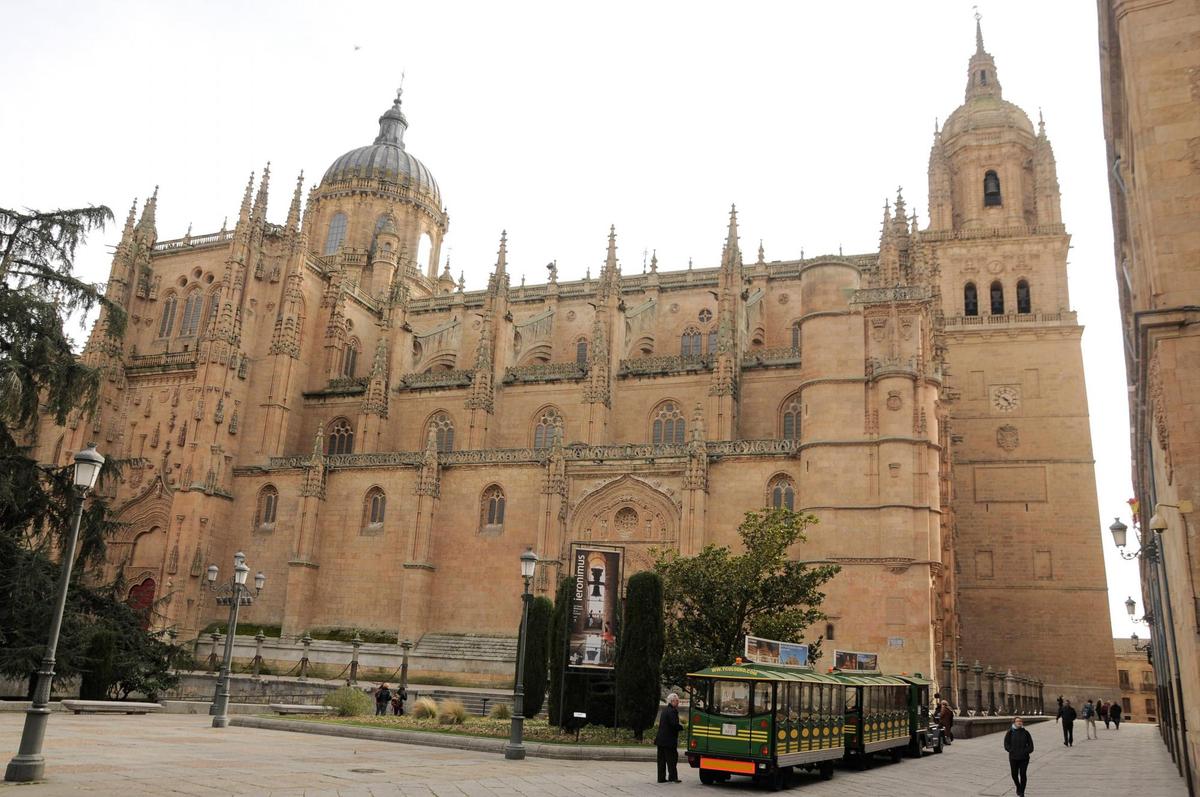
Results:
[557, 645]
[536, 655]
[639, 653]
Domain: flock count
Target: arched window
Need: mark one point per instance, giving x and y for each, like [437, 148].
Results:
[491, 510]
[1023, 303]
[168, 316]
[548, 424]
[341, 438]
[711, 341]
[796, 335]
[781, 492]
[425, 253]
[191, 314]
[57, 451]
[791, 418]
[970, 299]
[983, 77]
[991, 189]
[997, 292]
[443, 430]
[336, 234]
[581, 351]
[690, 342]
[829, 631]
[268, 503]
[374, 507]
[350, 358]
[668, 427]
[210, 310]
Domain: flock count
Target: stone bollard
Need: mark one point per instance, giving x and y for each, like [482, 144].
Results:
[962, 687]
[405, 647]
[947, 682]
[978, 671]
[1010, 706]
[356, 643]
[991, 682]
[1041, 697]
[305, 640]
[258, 659]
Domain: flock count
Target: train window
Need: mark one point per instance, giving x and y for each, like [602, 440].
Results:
[851, 699]
[794, 692]
[701, 694]
[762, 698]
[731, 698]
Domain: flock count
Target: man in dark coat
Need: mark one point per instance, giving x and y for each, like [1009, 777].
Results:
[1068, 715]
[383, 697]
[1019, 744]
[946, 720]
[667, 741]
[1114, 713]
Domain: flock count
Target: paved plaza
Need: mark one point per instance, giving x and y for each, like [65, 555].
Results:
[181, 754]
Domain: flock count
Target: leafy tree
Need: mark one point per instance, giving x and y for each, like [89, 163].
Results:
[639, 653]
[536, 653]
[715, 598]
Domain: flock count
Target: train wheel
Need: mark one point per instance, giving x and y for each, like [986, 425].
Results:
[781, 778]
[707, 777]
[826, 769]
[896, 753]
[937, 746]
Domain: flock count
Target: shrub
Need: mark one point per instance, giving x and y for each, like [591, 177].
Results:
[452, 712]
[500, 711]
[425, 708]
[349, 702]
[536, 651]
[639, 655]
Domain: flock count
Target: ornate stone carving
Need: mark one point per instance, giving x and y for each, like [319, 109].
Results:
[894, 402]
[1007, 437]
[544, 372]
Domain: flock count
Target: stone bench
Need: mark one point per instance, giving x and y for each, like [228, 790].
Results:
[110, 707]
[300, 708]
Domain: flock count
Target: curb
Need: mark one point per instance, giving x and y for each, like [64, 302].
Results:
[476, 743]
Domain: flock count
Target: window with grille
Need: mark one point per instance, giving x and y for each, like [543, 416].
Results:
[829, 631]
[782, 492]
[191, 314]
[690, 342]
[581, 352]
[341, 438]
[350, 359]
[796, 335]
[168, 316]
[970, 299]
[210, 309]
[1024, 304]
[336, 234]
[712, 341]
[791, 419]
[374, 508]
[491, 510]
[443, 430]
[668, 426]
[997, 295]
[548, 424]
[268, 503]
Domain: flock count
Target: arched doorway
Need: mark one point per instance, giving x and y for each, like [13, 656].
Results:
[141, 598]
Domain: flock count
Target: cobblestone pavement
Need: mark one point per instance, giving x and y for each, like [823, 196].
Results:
[181, 754]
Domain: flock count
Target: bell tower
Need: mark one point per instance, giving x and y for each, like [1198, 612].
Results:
[1024, 496]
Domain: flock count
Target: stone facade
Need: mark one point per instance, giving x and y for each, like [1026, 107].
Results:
[1135, 677]
[1150, 80]
[383, 443]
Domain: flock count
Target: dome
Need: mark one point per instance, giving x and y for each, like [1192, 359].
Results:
[386, 158]
[986, 112]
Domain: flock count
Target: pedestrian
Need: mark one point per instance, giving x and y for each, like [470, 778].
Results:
[1019, 744]
[1089, 720]
[667, 741]
[396, 704]
[1104, 707]
[946, 719]
[1068, 715]
[1114, 711]
[1058, 714]
[402, 697]
[383, 696]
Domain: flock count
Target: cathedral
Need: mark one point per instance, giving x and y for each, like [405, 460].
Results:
[383, 443]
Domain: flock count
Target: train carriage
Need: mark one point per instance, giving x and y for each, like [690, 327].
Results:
[877, 717]
[762, 721]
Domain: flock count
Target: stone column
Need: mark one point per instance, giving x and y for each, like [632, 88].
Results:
[258, 659]
[991, 687]
[355, 643]
[962, 686]
[947, 682]
[978, 671]
[1041, 697]
[1010, 705]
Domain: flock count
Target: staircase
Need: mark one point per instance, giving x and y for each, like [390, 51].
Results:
[468, 647]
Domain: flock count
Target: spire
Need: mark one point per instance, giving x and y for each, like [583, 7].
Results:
[901, 213]
[260, 201]
[731, 257]
[393, 124]
[761, 255]
[1041, 124]
[293, 218]
[127, 233]
[982, 80]
[654, 262]
[979, 34]
[502, 253]
[244, 213]
[145, 225]
[610, 260]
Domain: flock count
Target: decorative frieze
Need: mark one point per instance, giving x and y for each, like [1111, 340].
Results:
[660, 364]
[544, 372]
[435, 379]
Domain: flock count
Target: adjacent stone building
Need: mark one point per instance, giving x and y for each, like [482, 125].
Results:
[1150, 81]
[383, 443]
[1135, 677]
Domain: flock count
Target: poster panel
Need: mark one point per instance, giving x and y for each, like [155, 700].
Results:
[855, 660]
[592, 622]
[772, 651]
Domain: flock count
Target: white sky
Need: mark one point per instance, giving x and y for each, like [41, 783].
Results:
[553, 120]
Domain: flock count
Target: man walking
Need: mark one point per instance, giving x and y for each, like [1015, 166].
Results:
[1089, 720]
[383, 697]
[1103, 711]
[1068, 715]
[1114, 713]
[946, 720]
[667, 741]
[1019, 744]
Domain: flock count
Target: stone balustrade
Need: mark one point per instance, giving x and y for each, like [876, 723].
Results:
[978, 691]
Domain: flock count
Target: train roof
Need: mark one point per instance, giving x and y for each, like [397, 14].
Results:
[769, 672]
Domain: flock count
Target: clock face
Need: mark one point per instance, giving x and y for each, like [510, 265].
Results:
[1006, 399]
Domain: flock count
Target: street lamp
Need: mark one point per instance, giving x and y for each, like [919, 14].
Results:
[29, 763]
[232, 594]
[1130, 606]
[515, 749]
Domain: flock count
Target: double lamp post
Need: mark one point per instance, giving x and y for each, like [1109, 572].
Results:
[515, 749]
[232, 594]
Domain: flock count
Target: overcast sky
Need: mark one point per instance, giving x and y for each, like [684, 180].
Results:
[555, 120]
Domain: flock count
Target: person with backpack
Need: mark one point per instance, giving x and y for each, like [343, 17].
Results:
[1089, 720]
[1019, 744]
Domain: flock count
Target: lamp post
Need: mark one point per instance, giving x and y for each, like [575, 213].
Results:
[515, 749]
[233, 593]
[29, 763]
[405, 647]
